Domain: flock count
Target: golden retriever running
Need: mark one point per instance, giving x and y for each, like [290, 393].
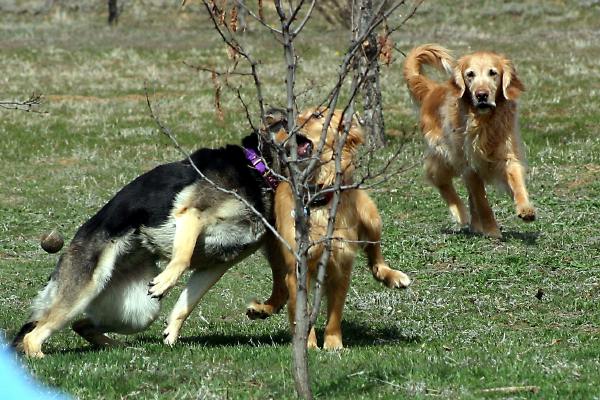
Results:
[470, 126]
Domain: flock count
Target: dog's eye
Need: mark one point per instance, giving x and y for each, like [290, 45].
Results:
[493, 72]
[470, 74]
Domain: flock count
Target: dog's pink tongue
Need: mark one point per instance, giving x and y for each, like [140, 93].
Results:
[303, 149]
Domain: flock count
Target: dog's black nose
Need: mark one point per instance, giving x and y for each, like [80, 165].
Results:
[481, 96]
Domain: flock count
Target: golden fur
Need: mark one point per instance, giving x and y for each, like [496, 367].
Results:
[470, 126]
[357, 219]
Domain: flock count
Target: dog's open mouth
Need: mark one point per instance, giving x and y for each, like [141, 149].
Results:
[305, 146]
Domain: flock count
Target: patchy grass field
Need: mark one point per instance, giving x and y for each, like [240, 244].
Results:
[470, 322]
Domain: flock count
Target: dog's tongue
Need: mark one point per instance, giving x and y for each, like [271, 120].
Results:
[303, 149]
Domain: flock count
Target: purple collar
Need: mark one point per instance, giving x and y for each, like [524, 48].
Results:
[259, 164]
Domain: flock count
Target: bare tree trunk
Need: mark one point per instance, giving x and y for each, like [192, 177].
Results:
[371, 88]
[113, 12]
[302, 322]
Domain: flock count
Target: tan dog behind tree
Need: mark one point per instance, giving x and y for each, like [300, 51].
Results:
[470, 126]
[357, 220]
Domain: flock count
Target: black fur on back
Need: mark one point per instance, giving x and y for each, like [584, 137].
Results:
[148, 199]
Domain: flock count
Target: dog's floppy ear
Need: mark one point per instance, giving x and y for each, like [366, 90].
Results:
[276, 124]
[355, 133]
[275, 116]
[511, 84]
[458, 81]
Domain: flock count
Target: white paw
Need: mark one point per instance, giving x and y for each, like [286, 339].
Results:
[161, 284]
[170, 337]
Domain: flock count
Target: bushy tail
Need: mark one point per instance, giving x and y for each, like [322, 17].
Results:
[427, 54]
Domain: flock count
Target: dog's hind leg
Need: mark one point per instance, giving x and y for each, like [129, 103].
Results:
[337, 284]
[480, 208]
[200, 282]
[279, 292]
[88, 330]
[370, 232]
[189, 223]
[72, 287]
[440, 176]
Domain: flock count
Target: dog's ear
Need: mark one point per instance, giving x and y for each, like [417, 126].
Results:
[274, 116]
[356, 135]
[511, 84]
[458, 81]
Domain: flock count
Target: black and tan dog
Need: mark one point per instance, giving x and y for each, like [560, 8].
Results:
[109, 271]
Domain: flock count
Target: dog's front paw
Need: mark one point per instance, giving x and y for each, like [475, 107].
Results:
[333, 342]
[257, 310]
[526, 212]
[170, 336]
[161, 284]
[392, 278]
[493, 233]
[491, 229]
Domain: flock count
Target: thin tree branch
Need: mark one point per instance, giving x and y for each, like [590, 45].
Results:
[215, 71]
[305, 20]
[260, 20]
[26, 105]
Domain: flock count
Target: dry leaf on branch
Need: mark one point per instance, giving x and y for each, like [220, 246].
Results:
[233, 19]
[386, 47]
[217, 86]
[261, 14]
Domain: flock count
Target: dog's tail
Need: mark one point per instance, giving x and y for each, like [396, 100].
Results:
[427, 54]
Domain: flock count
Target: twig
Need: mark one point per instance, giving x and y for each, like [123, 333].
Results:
[260, 20]
[302, 24]
[512, 389]
[25, 105]
[216, 72]
[235, 46]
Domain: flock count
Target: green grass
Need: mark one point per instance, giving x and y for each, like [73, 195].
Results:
[470, 321]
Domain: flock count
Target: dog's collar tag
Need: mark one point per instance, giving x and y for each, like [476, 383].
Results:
[259, 164]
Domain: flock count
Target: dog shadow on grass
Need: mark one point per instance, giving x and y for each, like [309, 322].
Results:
[277, 338]
[359, 334]
[528, 238]
[355, 335]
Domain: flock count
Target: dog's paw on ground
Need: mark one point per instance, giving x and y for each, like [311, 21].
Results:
[170, 337]
[333, 342]
[491, 230]
[392, 278]
[257, 310]
[526, 213]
